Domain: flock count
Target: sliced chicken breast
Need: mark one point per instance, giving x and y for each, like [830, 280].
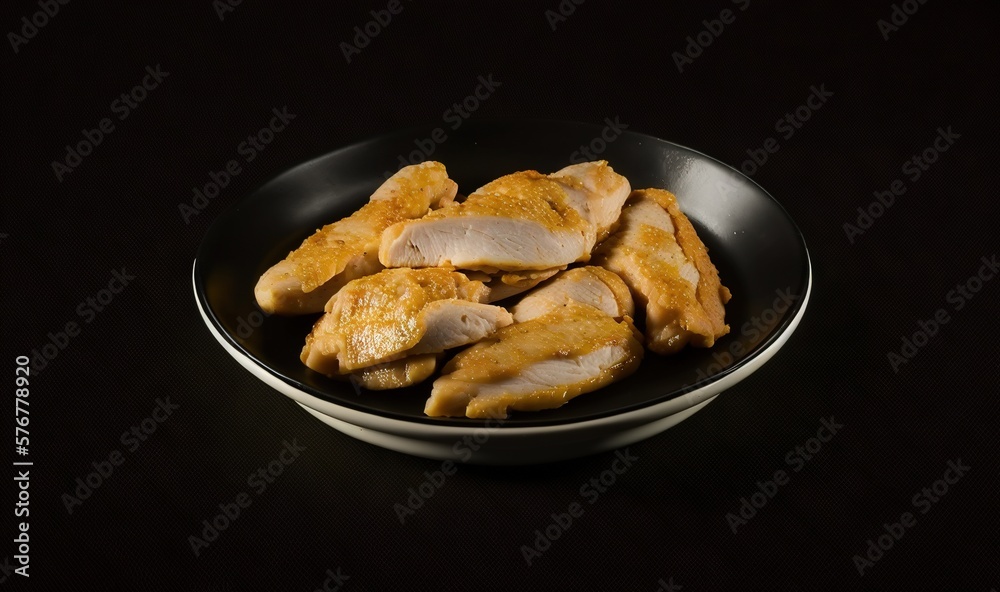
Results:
[522, 221]
[396, 374]
[598, 186]
[538, 364]
[659, 255]
[505, 284]
[589, 285]
[305, 280]
[398, 313]
[452, 323]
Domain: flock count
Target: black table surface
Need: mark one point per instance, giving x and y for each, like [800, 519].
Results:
[846, 102]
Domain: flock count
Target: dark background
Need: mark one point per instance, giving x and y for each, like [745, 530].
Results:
[664, 521]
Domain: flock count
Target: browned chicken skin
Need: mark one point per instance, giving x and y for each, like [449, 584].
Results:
[659, 255]
[522, 221]
[538, 364]
[348, 249]
[398, 313]
[395, 374]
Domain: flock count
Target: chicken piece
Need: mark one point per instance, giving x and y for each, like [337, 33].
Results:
[594, 286]
[598, 189]
[522, 221]
[396, 374]
[530, 226]
[659, 255]
[305, 280]
[505, 284]
[397, 313]
[537, 364]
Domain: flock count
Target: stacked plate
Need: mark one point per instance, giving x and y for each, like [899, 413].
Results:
[760, 254]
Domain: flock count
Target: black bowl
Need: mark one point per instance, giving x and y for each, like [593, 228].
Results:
[760, 254]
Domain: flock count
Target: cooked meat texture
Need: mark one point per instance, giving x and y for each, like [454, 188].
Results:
[396, 374]
[452, 323]
[537, 364]
[659, 255]
[504, 284]
[397, 313]
[305, 280]
[594, 286]
[522, 221]
[601, 191]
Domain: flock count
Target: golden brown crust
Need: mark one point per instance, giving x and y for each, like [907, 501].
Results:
[711, 293]
[378, 318]
[347, 249]
[657, 253]
[395, 374]
[527, 195]
[570, 332]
